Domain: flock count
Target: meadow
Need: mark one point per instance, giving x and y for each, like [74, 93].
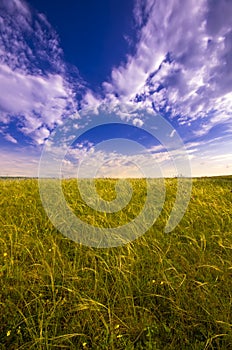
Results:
[161, 291]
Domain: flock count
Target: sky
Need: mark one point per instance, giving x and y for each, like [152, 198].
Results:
[162, 66]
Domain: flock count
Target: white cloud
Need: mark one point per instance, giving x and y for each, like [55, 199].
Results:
[41, 134]
[10, 138]
[34, 100]
[91, 162]
[137, 122]
[91, 102]
[182, 64]
[34, 97]
[172, 133]
[156, 148]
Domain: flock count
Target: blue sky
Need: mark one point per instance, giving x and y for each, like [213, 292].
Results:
[135, 59]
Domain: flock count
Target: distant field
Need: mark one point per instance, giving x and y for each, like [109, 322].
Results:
[161, 291]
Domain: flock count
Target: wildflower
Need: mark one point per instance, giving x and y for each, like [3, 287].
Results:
[8, 333]
[117, 326]
[84, 344]
[5, 254]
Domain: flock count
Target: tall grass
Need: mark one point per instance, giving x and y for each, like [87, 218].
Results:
[161, 291]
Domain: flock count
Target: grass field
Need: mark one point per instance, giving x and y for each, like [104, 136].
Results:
[161, 291]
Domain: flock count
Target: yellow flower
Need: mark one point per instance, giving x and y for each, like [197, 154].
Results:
[5, 254]
[8, 333]
[84, 345]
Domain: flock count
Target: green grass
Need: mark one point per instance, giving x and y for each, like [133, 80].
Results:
[161, 291]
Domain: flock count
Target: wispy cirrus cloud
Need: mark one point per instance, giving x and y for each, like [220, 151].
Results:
[36, 87]
[182, 63]
[181, 67]
[10, 138]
